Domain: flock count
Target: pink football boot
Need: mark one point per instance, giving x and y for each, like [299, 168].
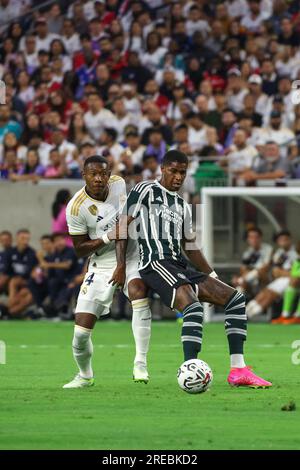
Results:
[244, 377]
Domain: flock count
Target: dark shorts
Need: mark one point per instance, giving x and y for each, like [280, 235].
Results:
[165, 276]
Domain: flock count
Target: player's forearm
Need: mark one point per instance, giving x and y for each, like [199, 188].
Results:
[198, 260]
[121, 248]
[88, 247]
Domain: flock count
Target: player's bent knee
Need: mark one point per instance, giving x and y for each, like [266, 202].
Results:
[137, 289]
[184, 296]
[85, 320]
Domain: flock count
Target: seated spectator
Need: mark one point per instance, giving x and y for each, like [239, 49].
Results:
[57, 167]
[108, 142]
[10, 142]
[157, 146]
[7, 124]
[197, 131]
[151, 171]
[133, 142]
[97, 117]
[275, 132]
[10, 164]
[155, 119]
[268, 166]
[236, 91]
[228, 128]
[154, 52]
[78, 133]
[19, 263]
[282, 259]
[121, 118]
[241, 156]
[6, 241]
[59, 221]
[31, 170]
[255, 264]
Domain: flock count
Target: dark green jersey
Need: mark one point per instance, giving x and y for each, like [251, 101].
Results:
[162, 219]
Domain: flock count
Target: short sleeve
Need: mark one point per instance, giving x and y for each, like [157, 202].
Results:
[134, 200]
[188, 231]
[76, 222]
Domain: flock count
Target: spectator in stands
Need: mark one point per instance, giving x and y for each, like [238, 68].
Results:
[282, 259]
[6, 241]
[57, 167]
[241, 156]
[31, 170]
[7, 124]
[59, 221]
[133, 141]
[157, 146]
[151, 167]
[268, 166]
[255, 263]
[97, 117]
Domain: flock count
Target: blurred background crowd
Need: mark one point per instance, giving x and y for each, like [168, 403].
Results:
[129, 79]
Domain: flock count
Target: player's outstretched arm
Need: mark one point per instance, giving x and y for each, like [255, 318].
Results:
[196, 256]
[84, 246]
[121, 237]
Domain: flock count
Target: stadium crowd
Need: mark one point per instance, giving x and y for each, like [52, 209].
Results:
[129, 79]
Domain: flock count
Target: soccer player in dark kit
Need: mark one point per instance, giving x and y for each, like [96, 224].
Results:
[163, 222]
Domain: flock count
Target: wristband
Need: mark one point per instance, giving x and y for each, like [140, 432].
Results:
[213, 274]
[105, 239]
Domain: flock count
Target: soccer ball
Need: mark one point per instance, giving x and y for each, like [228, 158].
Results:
[194, 376]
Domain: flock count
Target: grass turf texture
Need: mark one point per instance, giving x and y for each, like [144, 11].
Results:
[119, 414]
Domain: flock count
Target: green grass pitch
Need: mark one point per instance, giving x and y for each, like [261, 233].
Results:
[119, 414]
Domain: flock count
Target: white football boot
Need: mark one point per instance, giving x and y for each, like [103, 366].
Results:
[80, 382]
[140, 373]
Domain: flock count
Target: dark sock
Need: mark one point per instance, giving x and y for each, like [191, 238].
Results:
[191, 334]
[236, 323]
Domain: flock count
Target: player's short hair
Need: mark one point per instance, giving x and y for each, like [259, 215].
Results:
[174, 156]
[23, 230]
[95, 159]
[6, 232]
[58, 235]
[46, 237]
[281, 233]
[253, 229]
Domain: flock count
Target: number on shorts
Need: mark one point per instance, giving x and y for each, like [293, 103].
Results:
[90, 279]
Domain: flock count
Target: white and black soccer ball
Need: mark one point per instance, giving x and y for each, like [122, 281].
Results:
[194, 376]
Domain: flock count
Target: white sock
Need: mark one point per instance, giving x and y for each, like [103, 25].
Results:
[285, 314]
[237, 360]
[83, 350]
[253, 308]
[141, 327]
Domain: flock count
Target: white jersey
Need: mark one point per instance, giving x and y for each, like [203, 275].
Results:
[86, 215]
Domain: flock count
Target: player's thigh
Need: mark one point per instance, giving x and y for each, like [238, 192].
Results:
[135, 288]
[214, 291]
[96, 294]
[185, 295]
[86, 320]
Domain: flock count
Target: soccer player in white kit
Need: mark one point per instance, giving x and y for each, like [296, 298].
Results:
[91, 215]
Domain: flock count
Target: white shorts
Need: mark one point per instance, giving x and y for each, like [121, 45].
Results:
[96, 294]
[279, 285]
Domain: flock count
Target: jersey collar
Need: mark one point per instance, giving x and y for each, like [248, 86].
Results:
[92, 199]
[173, 193]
